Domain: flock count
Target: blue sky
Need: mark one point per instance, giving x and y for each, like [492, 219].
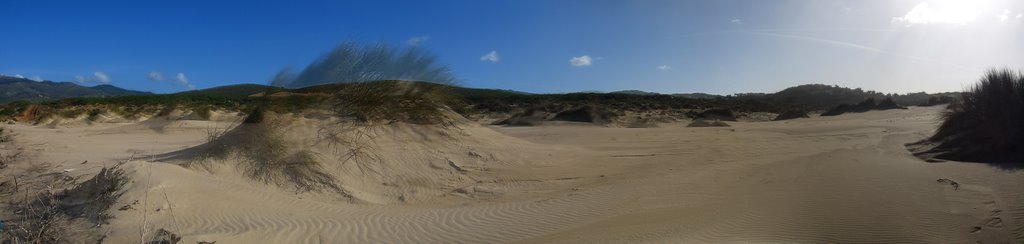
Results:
[665, 46]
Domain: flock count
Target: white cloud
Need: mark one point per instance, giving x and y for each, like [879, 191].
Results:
[847, 9]
[155, 76]
[97, 77]
[182, 80]
[736, 21]
[490, 57]
[1004, 16]
[1020, 16]
[179, 79]
[581, 61]
[664, 67]
[101, 77]
[415, 41]
[949, 12]
[19, 76]
[36, 78]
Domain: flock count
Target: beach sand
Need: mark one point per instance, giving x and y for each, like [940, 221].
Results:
[841, 179]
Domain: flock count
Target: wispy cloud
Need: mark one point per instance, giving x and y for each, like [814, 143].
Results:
[855, 46]
[664, 67]
[415, 41]
[101, 77]
[491, 57]
[581, 61]
[97, 77]
[155, 76]
[19, 76]
[1020, 16]
[36, 78]
[182, 80]
[821, 40]
[1004, 16]
[736, 21]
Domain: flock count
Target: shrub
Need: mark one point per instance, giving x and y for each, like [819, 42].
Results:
[586, 114]
[792, 114]
[264, 155]
[864, 106]
[987, 122]
[391, 101]
[94, 114]
[718, 114]
[50, 215]
[938, 100]
[202, 111]
[887, 104]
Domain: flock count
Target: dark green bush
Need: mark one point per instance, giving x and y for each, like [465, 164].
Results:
[987, 122]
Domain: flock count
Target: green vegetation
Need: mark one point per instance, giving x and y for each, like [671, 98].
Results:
[45, 207]
[419, 102]
[264, 155]
[390, 101]
[14, 89]
[587, 114]
[986, 123]
[864, 106]
[351, 62]
[792, 114]
[820, 97]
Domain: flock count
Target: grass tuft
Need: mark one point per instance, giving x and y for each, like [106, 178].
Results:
[987, 122]
[263, 155]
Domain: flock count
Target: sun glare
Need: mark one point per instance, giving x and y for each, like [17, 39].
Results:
[958, 12]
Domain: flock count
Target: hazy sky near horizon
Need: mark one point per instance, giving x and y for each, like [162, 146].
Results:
[542, 46]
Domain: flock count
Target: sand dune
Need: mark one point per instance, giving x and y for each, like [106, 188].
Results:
[838, 179]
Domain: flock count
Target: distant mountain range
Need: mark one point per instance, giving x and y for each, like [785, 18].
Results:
[21, 89]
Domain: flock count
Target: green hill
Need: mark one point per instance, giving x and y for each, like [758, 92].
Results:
[232, 91]
[15, 89]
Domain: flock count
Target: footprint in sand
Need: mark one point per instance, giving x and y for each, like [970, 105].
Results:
[994, 223]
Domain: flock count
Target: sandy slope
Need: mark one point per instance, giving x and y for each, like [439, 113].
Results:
[831, 179]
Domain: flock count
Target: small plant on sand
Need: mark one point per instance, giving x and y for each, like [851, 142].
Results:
[94, 114]
[986, 123]
[203, 112]
[40, 213]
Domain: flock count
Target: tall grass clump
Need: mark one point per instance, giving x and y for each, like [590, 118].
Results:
[987, 122]
[351, 62]
[262, 153]
[391, 101]
[378, 82]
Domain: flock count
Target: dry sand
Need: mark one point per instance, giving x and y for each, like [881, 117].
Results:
[839, 179]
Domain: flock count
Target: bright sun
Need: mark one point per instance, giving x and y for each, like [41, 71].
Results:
[960, 12]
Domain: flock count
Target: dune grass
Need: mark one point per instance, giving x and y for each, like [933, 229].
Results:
[987, 122]
[264, 155]
[45, 207]
[391, 101]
